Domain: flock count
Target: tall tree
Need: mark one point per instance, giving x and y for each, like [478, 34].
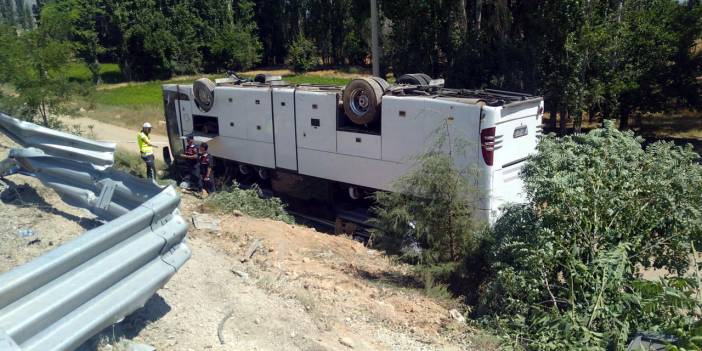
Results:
[36, 63]
[86, 14]
[7, 12]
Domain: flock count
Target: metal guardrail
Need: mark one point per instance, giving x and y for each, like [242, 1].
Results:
[62, 298]
[57, 143]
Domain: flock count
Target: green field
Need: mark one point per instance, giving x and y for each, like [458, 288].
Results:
[132, 94]
[149, 93]
[308, 79]
[109, 72]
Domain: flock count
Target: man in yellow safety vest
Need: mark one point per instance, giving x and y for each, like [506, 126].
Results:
[146, 149]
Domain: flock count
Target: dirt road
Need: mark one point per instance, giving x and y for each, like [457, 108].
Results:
[124, 138]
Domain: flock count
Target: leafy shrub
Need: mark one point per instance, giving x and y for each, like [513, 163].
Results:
[302, 54]
[430, 213]
[248, 201]
[565, 269]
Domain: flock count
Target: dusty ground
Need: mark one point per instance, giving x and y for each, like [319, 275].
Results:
[302, 290]
[26, 205]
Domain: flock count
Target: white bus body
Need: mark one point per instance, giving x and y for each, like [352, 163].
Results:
[301, 129]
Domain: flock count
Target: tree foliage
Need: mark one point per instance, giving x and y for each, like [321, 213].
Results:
[565, 269]
[432, 207]
[237, 46]
[35, 64]
[302, 54]
[612, 58]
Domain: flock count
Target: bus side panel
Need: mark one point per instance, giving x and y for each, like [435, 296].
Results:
[253, 152]
[284, 128]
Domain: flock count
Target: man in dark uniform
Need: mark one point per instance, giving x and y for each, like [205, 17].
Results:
[190, 154]
[206, 174]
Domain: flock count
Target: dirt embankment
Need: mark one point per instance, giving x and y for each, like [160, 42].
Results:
[301, 290]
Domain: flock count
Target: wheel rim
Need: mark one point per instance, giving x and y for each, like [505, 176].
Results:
[243, 169]
[263, 174]
[360, 102]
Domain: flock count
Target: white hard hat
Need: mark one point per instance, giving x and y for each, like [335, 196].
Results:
[146, 125]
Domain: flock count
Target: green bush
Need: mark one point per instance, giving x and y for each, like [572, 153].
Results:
[248, 201]
[429, 216]
[565, 269]
[302, 54]
[130, 163]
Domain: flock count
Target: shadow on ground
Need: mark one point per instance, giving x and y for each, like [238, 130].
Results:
[24, 195]
[154, 309]
[395, 279]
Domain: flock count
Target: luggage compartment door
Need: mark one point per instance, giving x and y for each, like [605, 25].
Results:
[315, 114]
[284, 128]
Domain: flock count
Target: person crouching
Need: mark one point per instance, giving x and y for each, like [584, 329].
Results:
[191, 156]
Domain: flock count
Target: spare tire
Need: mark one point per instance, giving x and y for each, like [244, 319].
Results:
[426, 77]
[412, 79]
[383, 83]
[203, 90]
[262, 77]
[362, 99]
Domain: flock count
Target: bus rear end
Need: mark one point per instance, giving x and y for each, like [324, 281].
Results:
[508, 135]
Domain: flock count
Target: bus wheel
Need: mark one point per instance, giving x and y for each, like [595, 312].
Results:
[355, 193]
[263, 173]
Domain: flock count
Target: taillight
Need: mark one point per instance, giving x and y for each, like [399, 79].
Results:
[487, 144]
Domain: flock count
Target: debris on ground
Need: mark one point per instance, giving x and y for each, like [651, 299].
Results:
[134, 346]
[457, 316]
[251, 250]
[346, 342]
[241, 274]
[220, 333]
[25, 233]
[206, 222]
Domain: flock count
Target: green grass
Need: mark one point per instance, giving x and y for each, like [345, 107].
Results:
[133, 94]
[109, 72]
[149, 93]
[307, 79]
[249, 202]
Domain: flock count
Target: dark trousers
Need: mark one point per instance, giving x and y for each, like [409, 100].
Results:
[150, 168]
[206, 184]
[194, 177]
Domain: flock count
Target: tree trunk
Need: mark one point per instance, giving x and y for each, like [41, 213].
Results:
[44, 114]
[591, 114]
[552, 119]
[624, 119]
[478, 14]
[578, 122]
[463, 18]
[95, 71]
[564, 120]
